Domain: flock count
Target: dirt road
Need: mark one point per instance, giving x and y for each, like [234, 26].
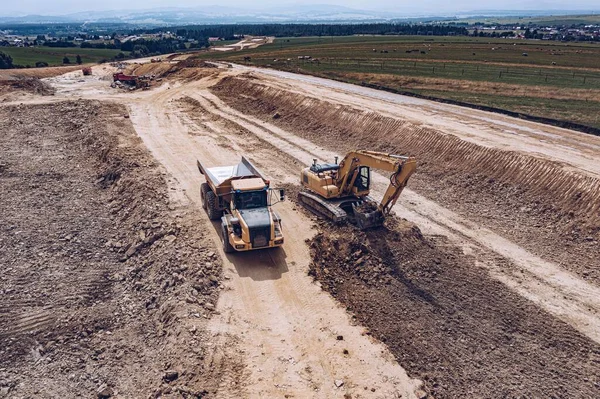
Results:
[285, 328]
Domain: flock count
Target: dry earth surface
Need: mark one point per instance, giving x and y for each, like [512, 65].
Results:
[487, 288]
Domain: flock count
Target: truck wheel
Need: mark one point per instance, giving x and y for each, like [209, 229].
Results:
[227, 247]
[212, 206]
[203, 190]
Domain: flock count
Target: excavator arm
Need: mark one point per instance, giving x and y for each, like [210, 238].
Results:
[401, 167]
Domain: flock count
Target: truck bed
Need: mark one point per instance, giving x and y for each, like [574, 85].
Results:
[221, 176]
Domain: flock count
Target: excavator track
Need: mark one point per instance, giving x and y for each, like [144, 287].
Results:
[328, 209]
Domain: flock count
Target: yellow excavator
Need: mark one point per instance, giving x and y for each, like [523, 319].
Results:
[340, 192]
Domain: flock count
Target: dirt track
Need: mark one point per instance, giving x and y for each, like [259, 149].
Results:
[524, 297]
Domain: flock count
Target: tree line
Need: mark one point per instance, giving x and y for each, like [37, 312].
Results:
[297, 30]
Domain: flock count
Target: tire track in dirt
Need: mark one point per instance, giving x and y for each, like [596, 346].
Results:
[557, 291]
[479, 127]
[564, 231]
[472, 312]
[282, 321]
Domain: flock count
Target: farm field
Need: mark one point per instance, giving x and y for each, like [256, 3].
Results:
[54, 56]
[481, 71]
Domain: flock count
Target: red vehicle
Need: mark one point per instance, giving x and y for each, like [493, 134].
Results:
[121, 77]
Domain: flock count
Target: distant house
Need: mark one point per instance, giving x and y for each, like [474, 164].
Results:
[214, 39]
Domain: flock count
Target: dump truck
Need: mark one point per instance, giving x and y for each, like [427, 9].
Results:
[340, 192]
[241, 197]
[131, 80]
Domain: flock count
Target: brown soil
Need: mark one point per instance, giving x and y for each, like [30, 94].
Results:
[25, 85]
[546, 208]
[445, 319]
[185, 70]
[39, 73]
[463, 333]
[106, 286]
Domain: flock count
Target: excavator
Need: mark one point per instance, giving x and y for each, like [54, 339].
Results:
[340, 192]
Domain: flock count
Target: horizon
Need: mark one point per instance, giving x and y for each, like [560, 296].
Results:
[432, 9]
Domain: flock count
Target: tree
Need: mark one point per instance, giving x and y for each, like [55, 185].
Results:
[6, 61]
[78, 60]
[66, 60]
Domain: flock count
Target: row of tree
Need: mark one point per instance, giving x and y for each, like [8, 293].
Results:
[6, 62]
[283, 30]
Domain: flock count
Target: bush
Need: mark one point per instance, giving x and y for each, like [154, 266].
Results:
[78, 60]
[41, 64]
[66, 60]
[6, 61]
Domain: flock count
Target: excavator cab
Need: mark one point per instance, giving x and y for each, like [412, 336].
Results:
[363, 179]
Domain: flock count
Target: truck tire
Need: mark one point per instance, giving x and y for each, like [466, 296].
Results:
[212, 206]
[227, 247]
[204, 188]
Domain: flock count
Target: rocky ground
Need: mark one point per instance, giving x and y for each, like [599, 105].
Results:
[107, 284]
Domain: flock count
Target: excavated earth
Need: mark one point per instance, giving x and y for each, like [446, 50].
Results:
[111, 274]
[446, 321]
[549, 209]
[461, 332]
[106, 285]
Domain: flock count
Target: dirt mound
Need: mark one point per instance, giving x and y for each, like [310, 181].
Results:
[540, 203]
[39, 73]
[27, 85]
[187, 69]
[463, 333]
[106, 286]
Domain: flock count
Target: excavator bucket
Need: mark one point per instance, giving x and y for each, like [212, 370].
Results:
[367, 215]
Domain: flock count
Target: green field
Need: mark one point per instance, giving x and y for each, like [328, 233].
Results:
[549, 20]
[561, 74]
[54, 56]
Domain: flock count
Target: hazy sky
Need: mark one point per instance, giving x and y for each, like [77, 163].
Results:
[54, 7]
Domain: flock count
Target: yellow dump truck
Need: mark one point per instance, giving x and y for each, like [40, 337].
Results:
[241, 197]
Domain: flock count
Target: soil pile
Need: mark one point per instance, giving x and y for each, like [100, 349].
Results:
[30, 85]
[448, 323]
[186, 70]
[106, 287]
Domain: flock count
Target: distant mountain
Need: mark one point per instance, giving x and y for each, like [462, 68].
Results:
[216, 14]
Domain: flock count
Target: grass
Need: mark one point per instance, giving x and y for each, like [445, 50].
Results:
[54, 56]
[549, 20]
[556, 80]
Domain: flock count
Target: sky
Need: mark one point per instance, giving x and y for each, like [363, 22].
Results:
[431, 7]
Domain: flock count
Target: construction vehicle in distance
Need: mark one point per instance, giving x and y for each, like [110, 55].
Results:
[240, 196]
[340, 192]
[87, 71]
[131, 80]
